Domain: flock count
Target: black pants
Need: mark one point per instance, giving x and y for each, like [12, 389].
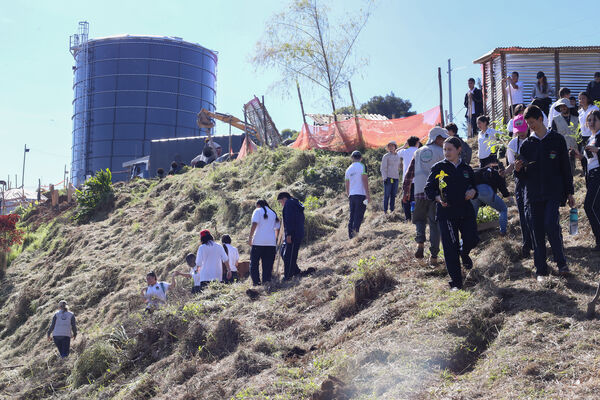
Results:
[449, 231]
[520, 198]
[234, 277]
[289, 253]
[266, 256]
[357, 213]
[488, 160]
[406, 206]
[592, 202]
[63, 344]
[543, 217]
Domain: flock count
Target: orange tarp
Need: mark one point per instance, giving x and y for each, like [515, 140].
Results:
[343, 136]
[248, 147]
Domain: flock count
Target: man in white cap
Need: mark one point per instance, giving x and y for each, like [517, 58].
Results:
[390, 173]
[566, 124]
[417, 174]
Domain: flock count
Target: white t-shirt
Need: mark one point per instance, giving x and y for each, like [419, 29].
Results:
[155, 294]
[514, 147]
[592, 162]
[486, 142]
[354, 175]
[264, 235]
[585, 131]
[195, 273]
[234, 256]
[407, 156]
[209, 260]
[516, 94]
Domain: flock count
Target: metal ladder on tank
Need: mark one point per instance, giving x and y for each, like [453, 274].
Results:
[78, 45]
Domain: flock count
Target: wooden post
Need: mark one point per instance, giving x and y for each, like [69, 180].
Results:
[556, 72]
[39, 193]
[441, 99]
[230, 146]
[264, 110]
[54, 196]
[70, 192]
[301, 104]
[502, 84]
[361, 140]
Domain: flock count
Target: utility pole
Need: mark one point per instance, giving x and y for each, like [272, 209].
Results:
[450, 115]
[441, 99]
[25, 151]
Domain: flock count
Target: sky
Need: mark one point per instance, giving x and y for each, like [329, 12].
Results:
[404, 41]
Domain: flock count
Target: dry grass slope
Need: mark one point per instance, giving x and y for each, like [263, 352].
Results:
[369, 324]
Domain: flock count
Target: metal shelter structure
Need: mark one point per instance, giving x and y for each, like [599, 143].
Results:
[571, 67]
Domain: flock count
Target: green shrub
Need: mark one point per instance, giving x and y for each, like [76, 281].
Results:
[487, 214]
[97, 195]
[93, 363]
[206, 210]
[293, 167]
[312, 203]
[317, 226]
[326, 176]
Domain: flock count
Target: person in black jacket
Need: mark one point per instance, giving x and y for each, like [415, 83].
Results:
[593, 88]
[592, 174]
[545, 168]
[476, 110]
[293, 222]
[451, 184]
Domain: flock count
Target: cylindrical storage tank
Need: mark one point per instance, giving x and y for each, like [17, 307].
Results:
[130, 90]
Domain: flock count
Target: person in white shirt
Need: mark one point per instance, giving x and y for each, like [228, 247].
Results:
[357, 190]
[210, 259]
[234, 257]
[520, 133]
[155, 295]
[390, 173]
[263, 239]
[63, 328]
[194, 274]
[406, 155]
[563, 93]
[515, 91]
[486, 139]
[587, 106]
[592, 182]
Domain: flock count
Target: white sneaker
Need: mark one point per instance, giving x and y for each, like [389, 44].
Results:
[541, 278]
[454, 289]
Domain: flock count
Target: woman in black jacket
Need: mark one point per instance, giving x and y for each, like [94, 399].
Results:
[592, 174]
[451, 184]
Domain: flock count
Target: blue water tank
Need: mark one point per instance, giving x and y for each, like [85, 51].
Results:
[130, 90]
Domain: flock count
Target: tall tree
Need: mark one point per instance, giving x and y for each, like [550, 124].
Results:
[390, 106]
[302, 44]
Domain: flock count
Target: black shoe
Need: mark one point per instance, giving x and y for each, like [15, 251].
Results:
[467, 262]
[563, 271]
[419, 253]
[308, 271]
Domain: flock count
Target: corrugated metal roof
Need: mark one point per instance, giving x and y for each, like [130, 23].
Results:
[516, 49]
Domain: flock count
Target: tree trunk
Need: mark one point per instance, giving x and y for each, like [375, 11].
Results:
[3, 262]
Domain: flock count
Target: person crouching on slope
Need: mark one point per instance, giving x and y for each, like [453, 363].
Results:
[451, 184]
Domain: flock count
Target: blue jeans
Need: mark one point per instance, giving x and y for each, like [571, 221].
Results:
[488, 197]
[390, 189]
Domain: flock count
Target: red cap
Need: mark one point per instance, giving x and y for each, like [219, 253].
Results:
[204, 233]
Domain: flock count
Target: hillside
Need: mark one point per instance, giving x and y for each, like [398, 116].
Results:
[371, 323]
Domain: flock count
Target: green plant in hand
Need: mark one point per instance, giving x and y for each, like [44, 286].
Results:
[97, 194]
[502, 137]
[487, 214]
